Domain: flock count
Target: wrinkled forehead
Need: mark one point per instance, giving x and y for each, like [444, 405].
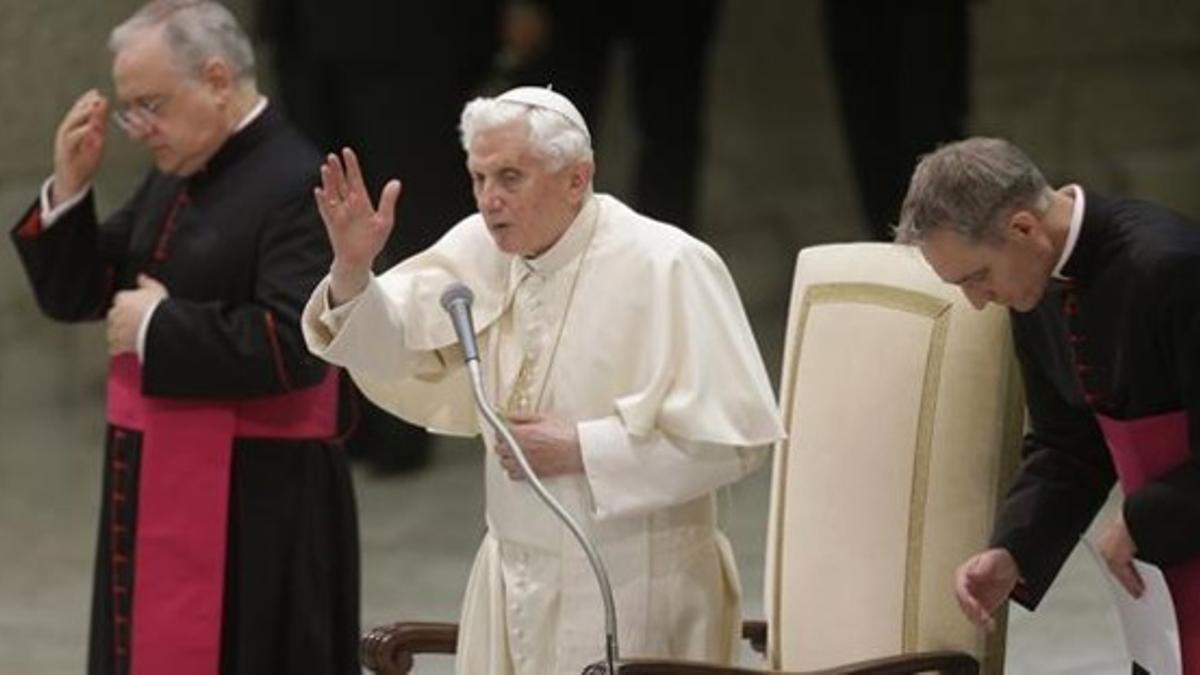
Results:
[508, 144]
[144, 66]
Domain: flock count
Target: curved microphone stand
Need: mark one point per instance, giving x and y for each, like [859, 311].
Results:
[456, 300]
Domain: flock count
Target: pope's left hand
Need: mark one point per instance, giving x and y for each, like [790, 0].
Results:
[128, 309]
[551, 445]
[1117, 547]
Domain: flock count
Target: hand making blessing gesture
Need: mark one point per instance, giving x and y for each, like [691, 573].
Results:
[357, 230]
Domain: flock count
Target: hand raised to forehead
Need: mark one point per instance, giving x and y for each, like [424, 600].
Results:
[357, 229]
[79, 145]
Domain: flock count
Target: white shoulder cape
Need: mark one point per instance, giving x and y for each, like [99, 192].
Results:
[658, 337]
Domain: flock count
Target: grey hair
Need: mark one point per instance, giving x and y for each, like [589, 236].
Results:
[552, 136]
[194, 31]
[968, 186]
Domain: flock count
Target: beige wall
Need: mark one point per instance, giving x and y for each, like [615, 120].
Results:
[1107, 93]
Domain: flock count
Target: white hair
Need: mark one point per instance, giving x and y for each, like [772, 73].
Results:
[194, 32]
[552, 136]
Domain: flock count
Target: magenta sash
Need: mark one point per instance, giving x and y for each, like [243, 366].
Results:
[1143, 449]
[183, 499]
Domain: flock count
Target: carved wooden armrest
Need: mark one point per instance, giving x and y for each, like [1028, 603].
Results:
[947, 662]
[389, 650]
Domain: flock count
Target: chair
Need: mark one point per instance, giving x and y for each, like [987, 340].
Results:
[904, 416]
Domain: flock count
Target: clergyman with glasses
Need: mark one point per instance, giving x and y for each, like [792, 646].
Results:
[228, 538]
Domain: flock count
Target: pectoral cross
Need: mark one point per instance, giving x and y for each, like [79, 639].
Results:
[519, 398]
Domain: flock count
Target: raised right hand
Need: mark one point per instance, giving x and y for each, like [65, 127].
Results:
[983, 583]
[357, 230]
[78, 145]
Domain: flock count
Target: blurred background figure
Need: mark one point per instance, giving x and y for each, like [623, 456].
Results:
[569, 44]
[387, 78]
[900, 69]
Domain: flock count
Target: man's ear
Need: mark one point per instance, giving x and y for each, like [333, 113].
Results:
[1023, 223]
[579, 177]
[219, 77]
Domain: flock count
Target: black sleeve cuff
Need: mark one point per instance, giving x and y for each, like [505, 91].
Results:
[1163, 517]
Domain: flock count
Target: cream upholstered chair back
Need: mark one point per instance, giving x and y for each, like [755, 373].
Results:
[904, 415]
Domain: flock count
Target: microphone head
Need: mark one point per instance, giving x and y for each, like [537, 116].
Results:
[456, 300]
[455, 292]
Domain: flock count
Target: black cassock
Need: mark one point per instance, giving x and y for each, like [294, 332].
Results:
[239, 247]
[1120, 340]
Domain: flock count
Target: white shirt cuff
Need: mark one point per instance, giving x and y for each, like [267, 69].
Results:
[49, 215]
[334, 317]
[144, 328]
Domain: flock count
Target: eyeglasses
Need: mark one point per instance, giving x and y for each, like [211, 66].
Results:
[140, 116]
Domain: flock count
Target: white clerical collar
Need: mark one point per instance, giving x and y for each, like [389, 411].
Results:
[1072, 232]
[253, 114]
[569, 246]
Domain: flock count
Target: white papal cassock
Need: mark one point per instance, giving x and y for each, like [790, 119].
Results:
[632, 330]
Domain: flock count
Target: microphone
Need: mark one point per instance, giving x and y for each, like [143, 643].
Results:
[456, 300]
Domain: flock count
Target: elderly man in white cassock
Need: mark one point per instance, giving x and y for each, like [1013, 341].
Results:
[618, 350]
